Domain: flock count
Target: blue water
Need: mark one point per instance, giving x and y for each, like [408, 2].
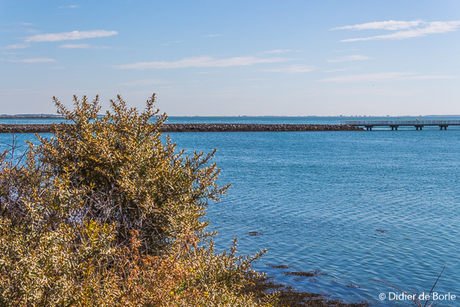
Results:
[318, 198]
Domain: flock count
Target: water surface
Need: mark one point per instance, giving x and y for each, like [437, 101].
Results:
[318, 198]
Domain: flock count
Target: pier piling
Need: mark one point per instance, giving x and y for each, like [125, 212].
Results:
[395, 124]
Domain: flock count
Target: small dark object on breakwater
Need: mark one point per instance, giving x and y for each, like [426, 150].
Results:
[305, 274]
[281, 266]
[255, 233]
[48, 128]
[382, 230]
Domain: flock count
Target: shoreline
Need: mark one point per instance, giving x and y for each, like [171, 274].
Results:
[49, 128]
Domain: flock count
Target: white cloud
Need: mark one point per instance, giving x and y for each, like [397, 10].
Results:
[409, 29]
[383, 25]
[75, 6]
[336, 70]
[82, 46]
[345, 50]
[38, 60]
[429, 77]
[386, 76]
[74, 35]
[17, 46]
[294, 69]
[32, 31]
[252, 79]
[26, 24]
[349, 58]
[31, 61]
[368, 77]
[342, 69]
[145, 82]
[276, 51]
[75, 46]
[212, 35]
[204, 61]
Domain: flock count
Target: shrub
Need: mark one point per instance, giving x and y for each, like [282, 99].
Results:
[128, 175]
[105, 213]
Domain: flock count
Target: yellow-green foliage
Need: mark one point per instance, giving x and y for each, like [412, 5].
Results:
[131, 177]
[105, 213]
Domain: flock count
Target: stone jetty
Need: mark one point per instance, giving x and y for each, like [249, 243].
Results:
[47, 128]
[254, 127]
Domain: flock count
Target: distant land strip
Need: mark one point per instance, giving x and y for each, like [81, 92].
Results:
[48, 128]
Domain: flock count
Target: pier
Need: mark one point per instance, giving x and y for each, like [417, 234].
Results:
[394, 124]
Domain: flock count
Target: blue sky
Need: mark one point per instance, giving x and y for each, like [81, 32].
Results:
[227, 58]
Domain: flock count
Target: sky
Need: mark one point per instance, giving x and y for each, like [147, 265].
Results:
[231, 58]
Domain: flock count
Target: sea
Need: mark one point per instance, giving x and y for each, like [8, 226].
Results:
[367, 209]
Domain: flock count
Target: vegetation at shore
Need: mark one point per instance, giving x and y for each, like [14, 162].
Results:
[106, 213]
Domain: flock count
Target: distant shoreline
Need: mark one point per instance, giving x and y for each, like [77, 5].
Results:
[49, 128]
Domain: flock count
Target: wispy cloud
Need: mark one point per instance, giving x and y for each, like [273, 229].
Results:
[430, 77]
[145, 82]
[294, 69]
[32, 31]
[386, 76]
[75, 46]
[349, 58]
[205, 61]
[75, 6]
[404, 29]
[212, 35]
[275, 51]
[336, 70]
[38, 60]
[26, 24]
[82, 46]
[252, 79]
[74, 35]
[345, 50]
[169, 43]
[16, 46]
[31, 61]
[383, 25]
[342, 69]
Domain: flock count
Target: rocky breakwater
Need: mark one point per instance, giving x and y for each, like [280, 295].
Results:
[47, 128]
[26, 128]
[254, 127]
